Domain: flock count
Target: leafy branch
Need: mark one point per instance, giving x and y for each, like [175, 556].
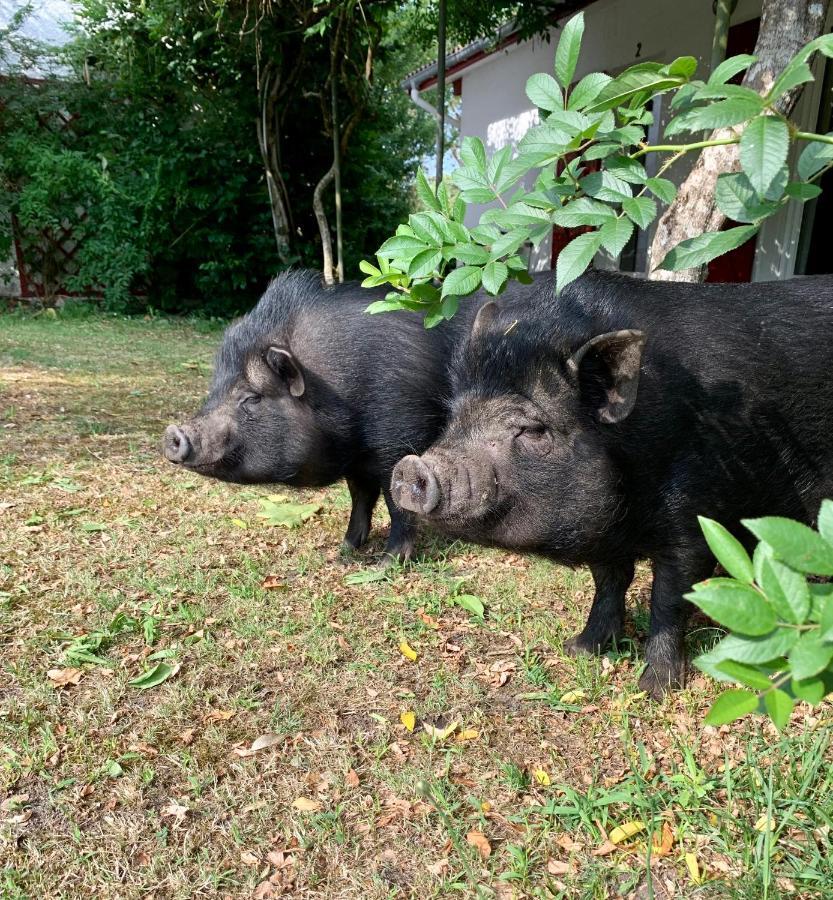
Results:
[582, 167]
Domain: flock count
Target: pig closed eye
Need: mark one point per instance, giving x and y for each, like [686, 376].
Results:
[535, 438]
[251, 400]
[533, 432]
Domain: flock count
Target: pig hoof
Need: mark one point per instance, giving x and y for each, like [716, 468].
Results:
[660, 679]
[582, 644]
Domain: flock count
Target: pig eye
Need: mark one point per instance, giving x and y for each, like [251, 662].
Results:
[249, 400]
[534, 431]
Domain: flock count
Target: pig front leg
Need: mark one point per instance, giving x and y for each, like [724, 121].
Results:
[364, 496]
[400, 545]
[665, 650]
[606, 621]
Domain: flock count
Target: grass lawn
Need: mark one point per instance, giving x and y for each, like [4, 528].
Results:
[294, 748]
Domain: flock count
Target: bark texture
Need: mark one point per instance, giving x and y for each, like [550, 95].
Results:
[786, 26]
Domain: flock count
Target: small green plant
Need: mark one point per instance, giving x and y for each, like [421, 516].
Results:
[780, 645]
[587, 158]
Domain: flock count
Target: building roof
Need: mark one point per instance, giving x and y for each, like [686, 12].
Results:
[462, 57]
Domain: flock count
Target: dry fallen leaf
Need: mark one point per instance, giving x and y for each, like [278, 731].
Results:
[174, 810]
[541, 777]
[408, 719]
[605, 848]
[480, 842]
[693, 868]
[625, 831]
[262, 743]
[249, 859]
[305, 804]
[438, 868]
[352, 779]
[573, 696]
[408, 651]
[440, 734]
[186, 738]
[218, 715]
[273, 583]
[430, 621]
[556, 867]
[666, 841]
[765, 823]
[16, 801]
[63, 677]
[467, 734]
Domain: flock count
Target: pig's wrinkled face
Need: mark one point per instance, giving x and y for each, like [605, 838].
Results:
[525, 460]
[257, 425]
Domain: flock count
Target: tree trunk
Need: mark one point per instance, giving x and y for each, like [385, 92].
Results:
[337, 172]
[268, 136]
[785, 28]
[323, 224]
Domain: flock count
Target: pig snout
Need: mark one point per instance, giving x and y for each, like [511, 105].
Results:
[414, 486]
[176, 445]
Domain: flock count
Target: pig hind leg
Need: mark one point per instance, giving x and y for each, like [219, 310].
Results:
[665, 650]
[364, 496]
[400, 545]
[606, 621]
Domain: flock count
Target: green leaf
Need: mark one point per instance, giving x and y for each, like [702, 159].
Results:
[600, 151]
[470, 603]
[761, 649]
[473, 254]
[368, 268]
[606, 187]
[641, 210]
[569, 47]
[662, 188]
[615, 233]
[449, 306]
[382, 306]
[736, 606]
[785, 588]
[705, 247]
[286, 514]
[508, 243]
[544, 92]
[401, 247]
[810, 655]
[473, 154]
[747, 675]
[544, 142]
[626, 169]
[160, 672]
[763, 151]
[811, 690]
[474, 186]
[797, 72]
[731, 67]
[794, 543]
[429, 228]
[727, 549]
[722, 114]
[425, 263]
[587, 90]
[779, 705]
[574, 259]
[497, 163]
[367, 576]
[731, 705]
[425, 194]
[425, 293]
[495, 275]
[582, 212]
[684, 66]
[825, 520]
[629, 84]
[462, 281]
[814, 157]
[736, 197]
[802, 190]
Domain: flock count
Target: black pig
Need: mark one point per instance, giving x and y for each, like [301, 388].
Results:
[309, 389]
[594, 427]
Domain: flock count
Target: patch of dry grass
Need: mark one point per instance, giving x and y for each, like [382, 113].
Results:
[109, 791]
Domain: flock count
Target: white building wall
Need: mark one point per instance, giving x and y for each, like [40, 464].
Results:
[618, 33]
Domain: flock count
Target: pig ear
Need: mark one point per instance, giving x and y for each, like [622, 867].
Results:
[611, 361]
[286, 367]
[484, 318]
